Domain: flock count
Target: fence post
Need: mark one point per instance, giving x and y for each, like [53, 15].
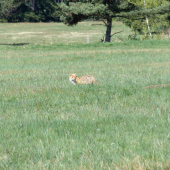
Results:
[87, 38]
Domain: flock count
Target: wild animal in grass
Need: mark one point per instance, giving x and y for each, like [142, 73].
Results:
[82, 80]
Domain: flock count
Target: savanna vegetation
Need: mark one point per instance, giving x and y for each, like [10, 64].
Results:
[48, 123]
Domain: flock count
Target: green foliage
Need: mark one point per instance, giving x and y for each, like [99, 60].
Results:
[157, 22]
[3, 20]
[7, 7]
[149, 3]
[76, 12]
[44, 10]
[73, 12]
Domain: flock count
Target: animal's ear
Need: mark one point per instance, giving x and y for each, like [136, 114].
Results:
[75, 74]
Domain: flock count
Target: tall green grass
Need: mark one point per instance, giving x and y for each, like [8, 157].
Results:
[47, 123]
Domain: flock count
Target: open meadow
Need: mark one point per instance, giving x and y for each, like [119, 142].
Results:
[48, 123]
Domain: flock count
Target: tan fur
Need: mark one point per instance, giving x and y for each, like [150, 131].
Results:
[82, 80]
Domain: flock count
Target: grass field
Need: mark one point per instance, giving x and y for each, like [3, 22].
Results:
[48, 123]
[51, 33]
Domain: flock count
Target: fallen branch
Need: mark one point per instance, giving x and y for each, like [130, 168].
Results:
[157, 86]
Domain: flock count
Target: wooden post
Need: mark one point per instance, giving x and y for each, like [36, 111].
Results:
[87, 38]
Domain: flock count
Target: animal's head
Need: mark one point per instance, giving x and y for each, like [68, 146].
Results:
[72, 78]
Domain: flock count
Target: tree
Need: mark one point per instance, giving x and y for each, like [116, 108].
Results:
[151, 24]
[73, 11]
[7, 7]
[29, 10]
[44, 10]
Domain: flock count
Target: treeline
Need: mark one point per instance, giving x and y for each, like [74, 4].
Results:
[30, 10]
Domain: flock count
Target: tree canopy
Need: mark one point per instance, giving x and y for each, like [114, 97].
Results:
[6, 9]
[74, 11]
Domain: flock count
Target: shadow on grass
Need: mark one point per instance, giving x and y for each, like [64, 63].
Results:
[17, 44]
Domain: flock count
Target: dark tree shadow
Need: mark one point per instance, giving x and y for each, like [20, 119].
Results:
[15, 44]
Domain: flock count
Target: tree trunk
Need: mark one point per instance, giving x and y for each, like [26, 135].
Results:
[108, 31]
[32, 5]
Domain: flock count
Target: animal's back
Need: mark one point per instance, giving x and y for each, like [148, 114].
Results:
[82, 80]
[86, 80]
